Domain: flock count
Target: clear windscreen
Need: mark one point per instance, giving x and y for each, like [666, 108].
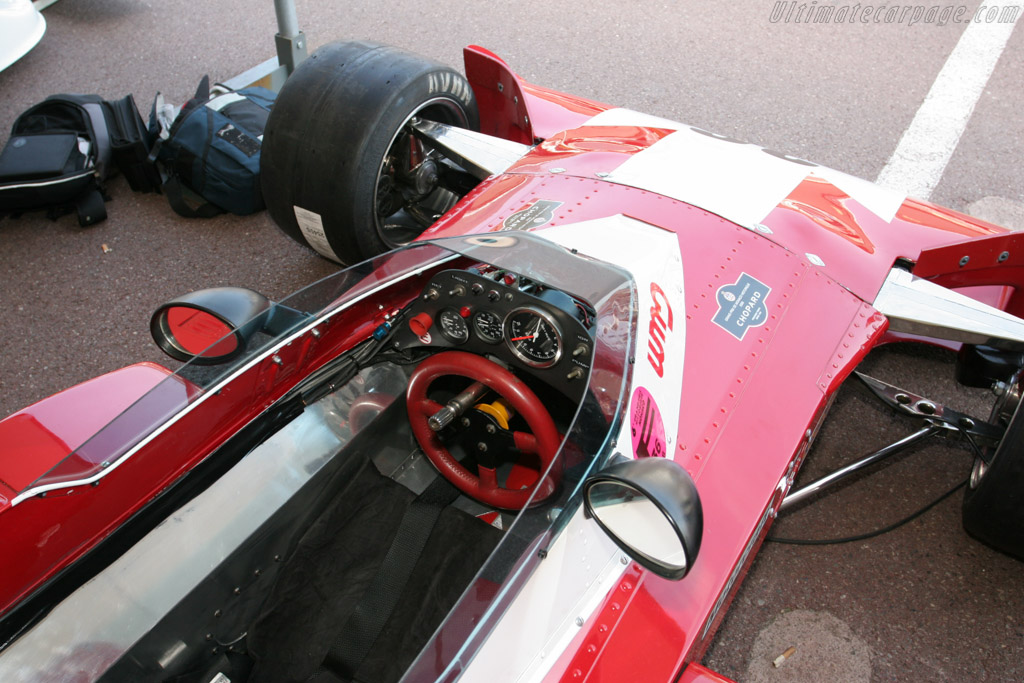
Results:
[190, 384]
[587, 446]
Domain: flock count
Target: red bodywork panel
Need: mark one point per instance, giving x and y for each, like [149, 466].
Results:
[731, 419]
[39, 437]
[515, 110]
[766, 438]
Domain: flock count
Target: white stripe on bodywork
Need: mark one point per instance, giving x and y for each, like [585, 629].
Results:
[583, 565]
[652, 256]
[738, 181]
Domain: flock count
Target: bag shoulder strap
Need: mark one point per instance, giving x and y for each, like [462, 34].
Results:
[187, 203]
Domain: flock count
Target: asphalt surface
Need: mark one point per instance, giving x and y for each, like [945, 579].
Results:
[923, 602]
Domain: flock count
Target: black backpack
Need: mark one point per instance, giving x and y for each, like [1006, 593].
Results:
[210, 153]
[63, 149]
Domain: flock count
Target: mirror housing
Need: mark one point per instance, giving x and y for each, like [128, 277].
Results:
[651, 509]
[209, 326]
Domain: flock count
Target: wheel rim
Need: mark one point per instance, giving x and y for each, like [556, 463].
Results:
[1002, 414]
[400, 220]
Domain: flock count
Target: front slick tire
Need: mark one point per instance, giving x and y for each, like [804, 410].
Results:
[993, 510]
[336, 148]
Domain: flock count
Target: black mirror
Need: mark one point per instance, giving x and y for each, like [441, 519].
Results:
[209, 326]
[651, 509]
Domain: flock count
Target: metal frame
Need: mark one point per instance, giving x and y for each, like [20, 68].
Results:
[938, 421]
[292, 50]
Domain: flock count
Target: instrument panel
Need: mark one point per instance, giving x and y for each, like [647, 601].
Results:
[497, 314]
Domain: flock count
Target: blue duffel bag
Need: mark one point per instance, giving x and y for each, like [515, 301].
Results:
[210, 153]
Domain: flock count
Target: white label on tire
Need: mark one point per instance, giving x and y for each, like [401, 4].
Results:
[313, 230]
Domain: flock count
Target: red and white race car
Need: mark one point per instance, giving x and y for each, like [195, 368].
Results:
[537, 432]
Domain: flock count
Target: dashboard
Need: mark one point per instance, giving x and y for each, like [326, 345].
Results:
[542, 331]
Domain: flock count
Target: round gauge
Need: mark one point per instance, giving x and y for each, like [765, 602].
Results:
[488, 327]
[534, 337]
[453, 326]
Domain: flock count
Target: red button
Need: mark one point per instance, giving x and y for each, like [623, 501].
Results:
[465, 311]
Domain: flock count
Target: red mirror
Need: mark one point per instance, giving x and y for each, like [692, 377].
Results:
[209, 326]
[199, 333]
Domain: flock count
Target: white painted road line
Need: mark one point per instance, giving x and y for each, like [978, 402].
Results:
[928, 143]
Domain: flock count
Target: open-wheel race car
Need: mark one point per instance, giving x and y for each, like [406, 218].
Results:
[537, 432]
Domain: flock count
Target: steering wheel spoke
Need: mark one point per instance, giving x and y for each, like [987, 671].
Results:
[488, 477]
[425, 407]
[526, 442]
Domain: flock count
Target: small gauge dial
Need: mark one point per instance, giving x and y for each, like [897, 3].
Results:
[534, 337]
[488, 327]
[453, 326]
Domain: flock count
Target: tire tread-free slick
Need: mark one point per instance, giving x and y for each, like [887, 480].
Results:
[334, 122]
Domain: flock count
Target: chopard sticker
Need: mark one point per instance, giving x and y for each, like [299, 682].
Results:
[646, 426]
[742, 305]
[532, 215]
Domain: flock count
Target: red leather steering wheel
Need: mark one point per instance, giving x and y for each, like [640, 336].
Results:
[483, 486]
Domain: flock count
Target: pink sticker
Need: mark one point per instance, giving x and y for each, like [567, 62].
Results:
[646, 426]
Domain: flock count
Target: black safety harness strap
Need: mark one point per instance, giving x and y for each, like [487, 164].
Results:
[363, 628]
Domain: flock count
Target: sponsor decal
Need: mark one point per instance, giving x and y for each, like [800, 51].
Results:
[247, 145]
[495, 241]
[661, 323]
[646, 426]
[742, 305]
[443, 82]
[533, 215]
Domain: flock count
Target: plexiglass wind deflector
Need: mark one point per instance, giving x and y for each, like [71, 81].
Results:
[586, 448]
[527, 254]
[192, 383]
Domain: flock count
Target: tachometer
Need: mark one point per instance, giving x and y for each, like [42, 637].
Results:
[453, 326]
[534, 337]
[488, 327]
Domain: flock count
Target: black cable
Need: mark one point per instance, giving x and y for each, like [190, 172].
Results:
[870, 534]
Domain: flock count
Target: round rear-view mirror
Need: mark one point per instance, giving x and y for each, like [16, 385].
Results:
[651, 509]
[209, 326]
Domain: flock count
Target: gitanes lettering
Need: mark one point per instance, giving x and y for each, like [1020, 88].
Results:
[661, 323]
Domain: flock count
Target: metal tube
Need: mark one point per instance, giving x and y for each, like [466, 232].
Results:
[457, 406]
[287, 18]
[795, 497]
